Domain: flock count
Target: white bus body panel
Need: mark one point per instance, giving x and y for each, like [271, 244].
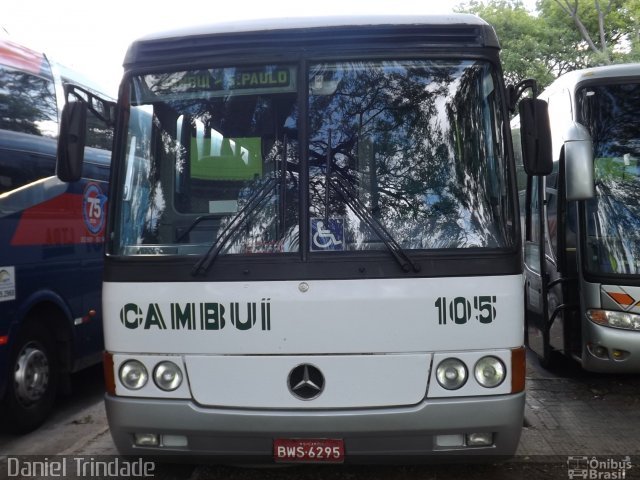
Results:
[352, 381]
[315, 317]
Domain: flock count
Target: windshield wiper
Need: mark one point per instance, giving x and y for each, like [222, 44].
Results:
[195, 223]
[230, 230]
[341, 187]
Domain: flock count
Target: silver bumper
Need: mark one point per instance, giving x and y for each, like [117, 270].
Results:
[408, 434]
[611, 338]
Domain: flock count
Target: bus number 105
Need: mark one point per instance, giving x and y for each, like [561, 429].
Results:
[460, 309]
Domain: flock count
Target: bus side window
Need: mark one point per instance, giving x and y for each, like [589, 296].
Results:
[533, 232]
[28, 113]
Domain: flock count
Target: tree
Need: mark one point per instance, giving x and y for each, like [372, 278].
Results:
[561, 35]
[531, 48]
[598, 29]
[633, 8]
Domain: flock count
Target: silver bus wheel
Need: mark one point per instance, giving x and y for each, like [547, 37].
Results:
[31, 375]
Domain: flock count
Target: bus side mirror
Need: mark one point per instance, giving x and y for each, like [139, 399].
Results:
[578, 163]
[71, 141]
[535, 137]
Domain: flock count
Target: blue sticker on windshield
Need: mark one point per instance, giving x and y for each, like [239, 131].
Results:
[327, 234]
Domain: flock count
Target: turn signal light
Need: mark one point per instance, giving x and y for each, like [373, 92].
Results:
[518, 369]
[109, 375]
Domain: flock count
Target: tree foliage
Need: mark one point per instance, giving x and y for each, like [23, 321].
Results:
[596, 28]
[561, 35]
[529, 48]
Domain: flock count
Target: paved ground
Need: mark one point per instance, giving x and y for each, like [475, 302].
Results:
[577, 425]
[575, 413]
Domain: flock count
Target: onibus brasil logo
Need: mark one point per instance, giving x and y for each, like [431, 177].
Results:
[198, 316]
[595, 468]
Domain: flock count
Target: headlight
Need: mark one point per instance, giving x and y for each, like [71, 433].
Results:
[167, 376]
[451, 374]
[609, 318]
[490, 372]
[133, 375]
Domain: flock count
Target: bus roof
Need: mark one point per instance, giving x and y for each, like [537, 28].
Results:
[299, 23]
[18, 56]
[74, 77]
[571, 79]
[442, 30]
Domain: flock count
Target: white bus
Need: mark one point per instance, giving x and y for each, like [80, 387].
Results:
[582, 246]
[314, 249]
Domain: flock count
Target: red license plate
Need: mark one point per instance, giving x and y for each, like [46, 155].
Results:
[325, 450]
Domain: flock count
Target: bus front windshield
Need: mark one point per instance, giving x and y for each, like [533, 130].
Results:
[610, 113]
[412, 149]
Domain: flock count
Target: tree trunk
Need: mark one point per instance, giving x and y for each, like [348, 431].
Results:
[571, 9]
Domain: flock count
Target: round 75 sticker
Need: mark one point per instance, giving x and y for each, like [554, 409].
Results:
[93, 208]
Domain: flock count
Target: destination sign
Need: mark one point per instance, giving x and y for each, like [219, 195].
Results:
[254, 79]
[218, 81]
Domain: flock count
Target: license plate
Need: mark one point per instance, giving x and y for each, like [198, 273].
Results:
[325, 450]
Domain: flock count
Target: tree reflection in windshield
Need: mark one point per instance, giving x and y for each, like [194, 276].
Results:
[420, 144]
[610, 112]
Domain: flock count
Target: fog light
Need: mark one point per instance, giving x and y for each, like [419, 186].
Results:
[490, 372]
[484, 439]
[174, 441]
[455, 440]
[598, 351]
[146, 439]
[451, 374]
[167, 376]
[619, 354]
[133, 375]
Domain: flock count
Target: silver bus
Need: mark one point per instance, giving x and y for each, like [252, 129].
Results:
[582, 241]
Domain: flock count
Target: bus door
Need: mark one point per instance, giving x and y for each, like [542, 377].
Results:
[535, 274]
[565, 289]
[551, 288]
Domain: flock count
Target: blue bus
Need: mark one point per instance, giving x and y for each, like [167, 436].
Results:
[51, 239]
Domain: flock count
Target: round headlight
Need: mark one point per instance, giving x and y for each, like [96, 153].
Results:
[167, 376]
[451, 374]
[490, 372]
[133, 375]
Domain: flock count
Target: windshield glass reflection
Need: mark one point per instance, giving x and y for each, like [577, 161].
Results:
[419, 144]
[610, 112]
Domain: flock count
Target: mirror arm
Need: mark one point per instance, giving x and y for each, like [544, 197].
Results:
[514, 92]
[107, 115]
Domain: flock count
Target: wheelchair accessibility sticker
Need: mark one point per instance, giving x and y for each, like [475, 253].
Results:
[327, 234]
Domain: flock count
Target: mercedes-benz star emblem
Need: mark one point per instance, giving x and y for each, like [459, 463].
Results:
[306, 382]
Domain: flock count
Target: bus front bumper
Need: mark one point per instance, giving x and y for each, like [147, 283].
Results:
[431, 430]
[610, 350]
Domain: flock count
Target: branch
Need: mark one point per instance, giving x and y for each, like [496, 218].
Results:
[572, 11]
[603, 40]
